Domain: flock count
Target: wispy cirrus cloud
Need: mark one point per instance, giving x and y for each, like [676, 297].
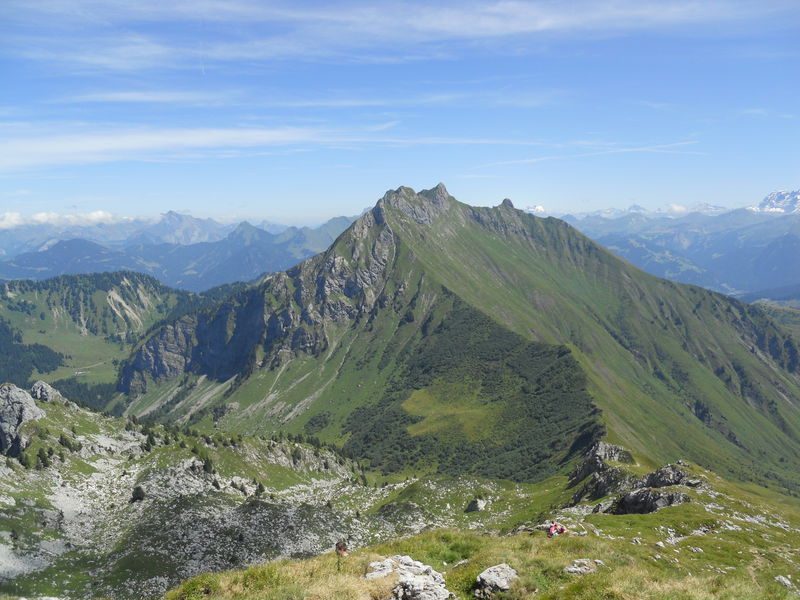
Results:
[765, 112]
[78, 146]
[606, 149]
[511, 98]
[181, 97]
[117, 35]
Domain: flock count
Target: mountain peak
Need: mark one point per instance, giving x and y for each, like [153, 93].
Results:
[422, 207]
[507, 203]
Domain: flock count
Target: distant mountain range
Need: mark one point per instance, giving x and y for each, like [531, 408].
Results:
[179, 250]
[748, 252]
[741, 252]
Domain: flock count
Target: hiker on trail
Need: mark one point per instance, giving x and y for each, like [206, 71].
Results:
[555, 529]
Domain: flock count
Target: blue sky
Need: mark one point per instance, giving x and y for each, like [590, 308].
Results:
[296, 112]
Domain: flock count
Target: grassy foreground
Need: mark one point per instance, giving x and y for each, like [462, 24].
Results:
[729, 542]
[630, 572]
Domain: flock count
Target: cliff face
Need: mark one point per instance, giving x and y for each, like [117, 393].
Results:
[16, 408]
[287, 314]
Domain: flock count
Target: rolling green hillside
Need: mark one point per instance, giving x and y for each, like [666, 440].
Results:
[670, 370]
[76, 329]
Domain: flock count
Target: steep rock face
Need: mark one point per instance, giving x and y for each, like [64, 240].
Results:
[598, 477]
[16, 408]
[289, 313]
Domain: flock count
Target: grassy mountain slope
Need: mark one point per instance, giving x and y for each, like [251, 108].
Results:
[329, 347]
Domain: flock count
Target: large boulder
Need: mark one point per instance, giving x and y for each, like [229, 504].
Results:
[415, 581]
[16, 408]
[494, 579]
[476, 505]
[645, 500]
[45, 392]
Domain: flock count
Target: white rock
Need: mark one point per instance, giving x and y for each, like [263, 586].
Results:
[415, 580]
[582, 566]
[495, 579]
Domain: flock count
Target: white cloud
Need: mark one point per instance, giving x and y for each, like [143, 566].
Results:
[10, 219]
[91, 218]
[677, 209]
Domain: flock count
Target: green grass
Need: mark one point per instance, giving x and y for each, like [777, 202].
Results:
[451, 411]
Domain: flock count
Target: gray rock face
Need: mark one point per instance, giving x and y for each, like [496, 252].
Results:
[646, 500]
[423, 207]
[495, 579]
[415, 581]
[16, 408]
[604, 479]
[45, 392]
[666, 475]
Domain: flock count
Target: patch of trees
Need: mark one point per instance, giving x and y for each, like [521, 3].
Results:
[95, 396]
[19, 360]
[542, 413]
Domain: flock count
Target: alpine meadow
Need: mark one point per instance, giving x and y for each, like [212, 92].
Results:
[232, 369]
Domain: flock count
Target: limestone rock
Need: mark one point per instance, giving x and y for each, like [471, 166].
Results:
[45, 392]
[786, 582]
[415, 581]
[583, 566]
[16, 408]
[495, 579]
[603, 478]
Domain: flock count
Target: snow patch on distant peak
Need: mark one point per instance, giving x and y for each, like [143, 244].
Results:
[780, 202]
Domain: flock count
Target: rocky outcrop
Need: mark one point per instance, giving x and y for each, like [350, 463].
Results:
[663, 477]
[645, 500]
[493, 580]
[423, 208]
[596, 459]
[45, 392]
[415, 581]
[598, 477]
[16, 408]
